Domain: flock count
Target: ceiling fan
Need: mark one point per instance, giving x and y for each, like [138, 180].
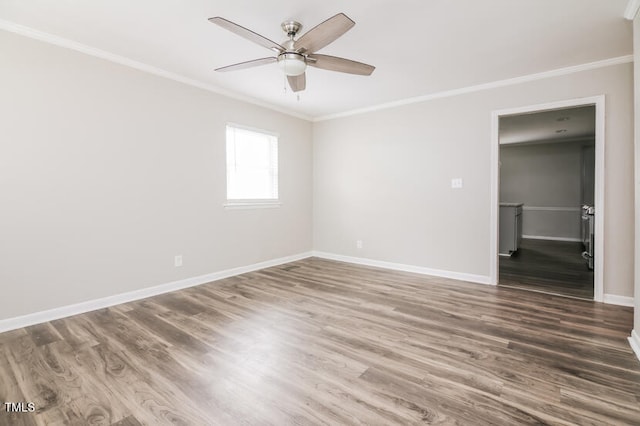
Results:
[293, 55]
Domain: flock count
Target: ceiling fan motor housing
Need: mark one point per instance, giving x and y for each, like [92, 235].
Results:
[291, 28]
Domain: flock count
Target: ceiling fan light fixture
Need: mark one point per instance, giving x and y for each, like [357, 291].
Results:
[294, 54]
[292, 64]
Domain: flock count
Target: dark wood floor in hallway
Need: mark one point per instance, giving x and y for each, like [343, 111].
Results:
[323, 342]
[548, 266]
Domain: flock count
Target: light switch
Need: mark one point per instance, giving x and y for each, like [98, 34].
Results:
[456, 183]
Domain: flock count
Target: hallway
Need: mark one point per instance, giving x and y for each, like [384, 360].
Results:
[548, 266]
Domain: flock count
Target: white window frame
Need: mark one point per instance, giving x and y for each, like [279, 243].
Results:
[251, 203]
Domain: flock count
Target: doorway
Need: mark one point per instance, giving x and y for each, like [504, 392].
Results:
[547, 162]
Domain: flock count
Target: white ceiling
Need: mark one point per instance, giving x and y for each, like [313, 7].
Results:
[560, 125]
[420, 47]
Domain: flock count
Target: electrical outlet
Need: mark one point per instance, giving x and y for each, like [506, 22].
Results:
[177, 260]
[359, 244]
[456, 183]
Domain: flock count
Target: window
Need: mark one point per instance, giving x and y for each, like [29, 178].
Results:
[252, 166]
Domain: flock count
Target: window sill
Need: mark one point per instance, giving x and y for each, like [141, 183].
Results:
[253, 204]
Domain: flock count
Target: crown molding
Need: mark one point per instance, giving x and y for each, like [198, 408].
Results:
[140, 66]
[631, 11]
[486, 86]
[632, 7]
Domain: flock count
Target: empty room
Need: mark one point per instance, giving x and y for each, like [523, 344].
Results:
[319, 213]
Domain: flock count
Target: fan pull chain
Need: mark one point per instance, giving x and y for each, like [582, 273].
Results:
[284, 80]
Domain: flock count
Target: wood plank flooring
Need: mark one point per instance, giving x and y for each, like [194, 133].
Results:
[323, 342]
[548, 266]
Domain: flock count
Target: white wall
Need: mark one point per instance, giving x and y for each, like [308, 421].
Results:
[106, 173]
[545, 177]
[384, 177]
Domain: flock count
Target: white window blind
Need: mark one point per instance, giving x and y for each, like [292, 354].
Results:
[252, 164]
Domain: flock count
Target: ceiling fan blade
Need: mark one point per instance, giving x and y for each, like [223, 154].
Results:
[324, 33]
[248, 64]
[334, 63]
[297, 82]
[247, 33]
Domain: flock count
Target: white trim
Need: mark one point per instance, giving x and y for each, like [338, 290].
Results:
[631, 11]
[549, 106]
[140, 66]
[599, 102]
[494, 199]
[252, 129]
[598, 277]
[248, 205]
[552, 209]
[614, 299]
[486, 86]
[479, 279]
[544, 237]
[634, 342]
[105, 302]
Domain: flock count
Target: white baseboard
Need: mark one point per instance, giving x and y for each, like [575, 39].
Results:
[634, 342]
[614, 299]
[542, 237]
[480, 279]
[105, 302]
[91, 305]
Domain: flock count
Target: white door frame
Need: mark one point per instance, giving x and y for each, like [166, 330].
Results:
[599, 103]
